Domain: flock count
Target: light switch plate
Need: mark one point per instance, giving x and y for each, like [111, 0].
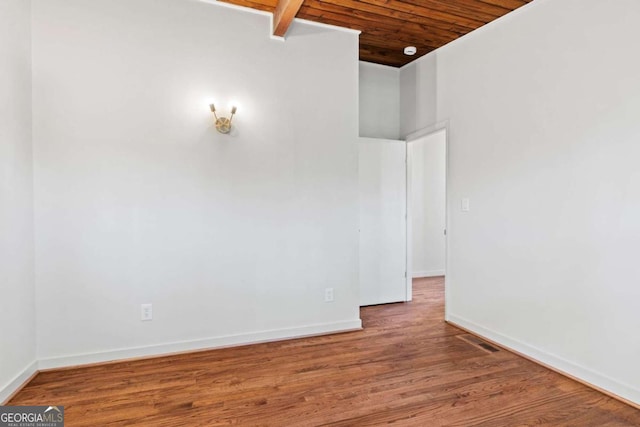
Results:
[328, 295]
[146, 312]
[465, 205]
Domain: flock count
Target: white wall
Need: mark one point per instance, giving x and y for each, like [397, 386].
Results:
[427, 184]
[543, 140]
[418, 94]
[17, 301]
[379, 101]
[139, 200]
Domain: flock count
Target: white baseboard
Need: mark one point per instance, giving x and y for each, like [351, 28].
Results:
[427, 273]
[9, 389]
[20, 380]
[598, 381]
[197, 345]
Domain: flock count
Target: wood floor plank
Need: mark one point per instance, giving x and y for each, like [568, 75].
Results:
[407, 367]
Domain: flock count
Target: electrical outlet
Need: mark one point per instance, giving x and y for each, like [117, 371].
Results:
[328, 295]
[146, 312]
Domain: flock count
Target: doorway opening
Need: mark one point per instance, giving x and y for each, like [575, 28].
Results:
[426, 206]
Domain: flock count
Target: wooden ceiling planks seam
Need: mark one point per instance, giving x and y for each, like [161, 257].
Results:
[387, 26]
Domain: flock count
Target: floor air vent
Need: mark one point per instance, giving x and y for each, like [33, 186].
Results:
[472, 339]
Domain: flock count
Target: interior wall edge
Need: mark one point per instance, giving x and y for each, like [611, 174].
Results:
[428, 130]
[18, 382]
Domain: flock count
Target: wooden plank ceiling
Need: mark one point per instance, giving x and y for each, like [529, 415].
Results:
[388, 26]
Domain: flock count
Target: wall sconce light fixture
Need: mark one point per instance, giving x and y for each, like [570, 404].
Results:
[223, 125]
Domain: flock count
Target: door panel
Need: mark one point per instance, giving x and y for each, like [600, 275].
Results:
[382, 197]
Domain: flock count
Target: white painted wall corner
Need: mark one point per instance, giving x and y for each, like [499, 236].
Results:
[15, 385]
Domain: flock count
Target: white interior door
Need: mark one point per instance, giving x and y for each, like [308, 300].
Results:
[383, 226]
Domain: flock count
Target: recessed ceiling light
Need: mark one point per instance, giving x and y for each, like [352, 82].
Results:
[410, 50]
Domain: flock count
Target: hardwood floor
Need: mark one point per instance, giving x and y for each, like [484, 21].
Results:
[406, 367]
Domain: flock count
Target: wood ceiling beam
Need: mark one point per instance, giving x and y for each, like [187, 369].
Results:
[283, 16]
